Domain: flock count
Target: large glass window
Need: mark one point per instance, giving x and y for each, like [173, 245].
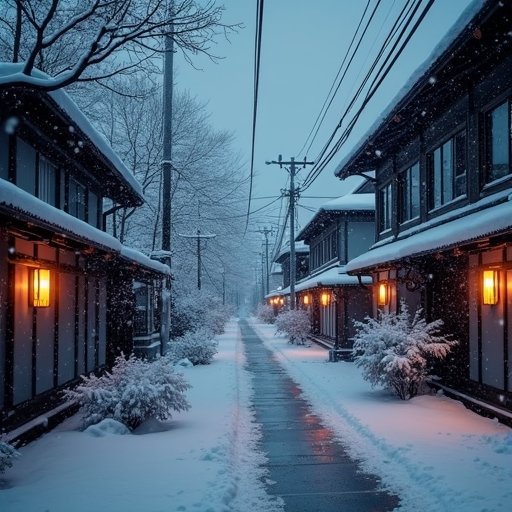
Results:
[498, 136]
[410, 193]
[47, 181]
[447, 167]
[385, 208]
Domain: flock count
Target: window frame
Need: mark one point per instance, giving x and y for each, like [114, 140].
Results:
[406, 189]
[440, 183]
[385, 208]
[487, 180]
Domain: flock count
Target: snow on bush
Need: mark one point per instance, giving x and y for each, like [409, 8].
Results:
[266, 313]
[198, 347]
[295, 324]
[195, 310]
[7, 454]
[133, 392]
[397, 351]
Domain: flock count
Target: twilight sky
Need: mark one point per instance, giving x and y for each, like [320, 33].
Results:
[303, 44]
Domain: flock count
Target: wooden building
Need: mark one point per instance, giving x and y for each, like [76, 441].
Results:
[442, 156]
[340, 230]
[72, 297]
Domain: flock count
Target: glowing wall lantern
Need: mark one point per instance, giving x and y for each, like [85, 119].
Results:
[325, 298]
[40, 291]
[490, 287]
[306, 301]
[383, 294]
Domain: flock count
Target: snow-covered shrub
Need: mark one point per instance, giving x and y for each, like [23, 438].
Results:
[266, 313]
[397, 351]
[133, 392]
[294, 323]
[198, 347]
[7, 454]
[195, 310]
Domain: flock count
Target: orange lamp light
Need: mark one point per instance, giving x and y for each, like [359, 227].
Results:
[325, 299]
[40, 296]
[383, 294]
[490, 287]
[305, 300]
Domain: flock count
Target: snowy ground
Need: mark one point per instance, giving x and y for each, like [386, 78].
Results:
[435, 453]
[204, 460]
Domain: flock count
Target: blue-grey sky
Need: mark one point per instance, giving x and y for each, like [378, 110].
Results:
[303, 44]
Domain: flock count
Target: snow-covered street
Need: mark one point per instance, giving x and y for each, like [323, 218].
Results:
[432, 451]
[202, 460]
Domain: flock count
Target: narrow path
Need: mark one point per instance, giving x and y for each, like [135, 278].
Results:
[312, 472]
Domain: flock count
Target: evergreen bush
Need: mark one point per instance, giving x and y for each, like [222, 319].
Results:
[397, 351]
[295, 324]
[133, 392]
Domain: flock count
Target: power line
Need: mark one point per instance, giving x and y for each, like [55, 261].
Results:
[398, 22]
[379, 77]
[324, 109]
[257, 55]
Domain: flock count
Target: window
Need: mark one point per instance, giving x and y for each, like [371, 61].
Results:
[385, 208]
[92, 209]
[47, 180]
[25, 166]
[324, 250]
[447, 169]
[498, 134]
[410, 193]
[76, 199]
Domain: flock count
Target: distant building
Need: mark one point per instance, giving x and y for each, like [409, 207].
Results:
[340, 230]
[442, 155]
[72, 297]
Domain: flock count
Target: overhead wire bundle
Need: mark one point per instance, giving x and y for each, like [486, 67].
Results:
[398, 37]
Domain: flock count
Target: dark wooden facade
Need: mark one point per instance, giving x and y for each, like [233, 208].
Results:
[443, 162]
[53, 183]
[340, 230]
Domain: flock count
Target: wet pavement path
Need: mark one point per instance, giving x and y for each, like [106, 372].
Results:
[312, 472]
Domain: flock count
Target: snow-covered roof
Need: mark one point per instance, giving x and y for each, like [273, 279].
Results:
[17, 200]
[423, 71]
[11, 73]
[345, 203]
[300, 247]
[350, 202]
[335, 276]
[138, 257]
[444, 234]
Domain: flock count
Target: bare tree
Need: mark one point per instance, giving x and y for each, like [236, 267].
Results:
[94, 40]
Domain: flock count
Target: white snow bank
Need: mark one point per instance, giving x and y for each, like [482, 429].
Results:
[10, 73]
[107, 427]
[436, 454]
[206, 459]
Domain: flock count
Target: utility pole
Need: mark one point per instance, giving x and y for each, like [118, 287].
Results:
[165, 313]
[167, 141]
[293, 194]
[199, 237]
[265, 232]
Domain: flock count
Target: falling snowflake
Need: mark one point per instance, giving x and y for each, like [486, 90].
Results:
[11, 124]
